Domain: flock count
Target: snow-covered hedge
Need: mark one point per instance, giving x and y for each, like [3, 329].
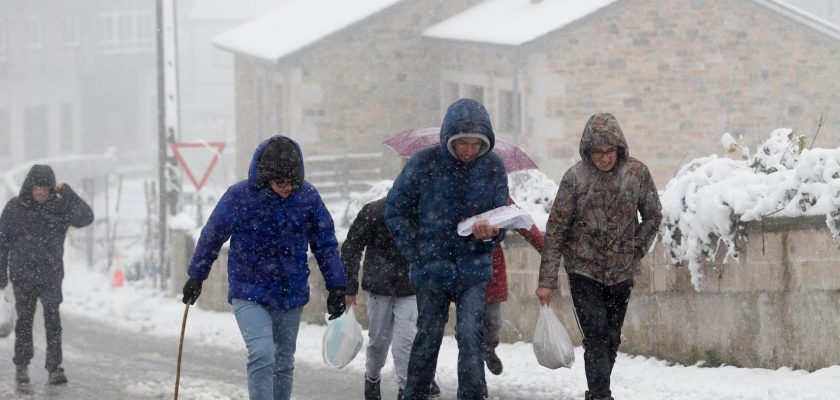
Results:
[707, 203]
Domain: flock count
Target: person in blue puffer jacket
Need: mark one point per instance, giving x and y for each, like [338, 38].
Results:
[438, 188]
[270, 218]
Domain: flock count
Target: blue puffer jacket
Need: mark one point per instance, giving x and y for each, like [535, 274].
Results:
[267, 261]
[434, 192]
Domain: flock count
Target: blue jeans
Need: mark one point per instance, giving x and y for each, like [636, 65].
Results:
[270, 336]
[433, 312]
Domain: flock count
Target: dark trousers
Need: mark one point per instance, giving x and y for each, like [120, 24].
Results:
[432, 314]
[600, 313]
[26, 297]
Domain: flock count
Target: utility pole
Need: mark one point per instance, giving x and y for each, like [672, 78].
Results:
[162, 153]
[168, 125]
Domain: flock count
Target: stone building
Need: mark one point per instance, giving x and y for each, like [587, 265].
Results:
[677, 74]
[75, 77]
[337, 82]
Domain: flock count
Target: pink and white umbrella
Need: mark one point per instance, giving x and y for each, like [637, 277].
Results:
[409, 142]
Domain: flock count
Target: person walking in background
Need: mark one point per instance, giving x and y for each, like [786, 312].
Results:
[270, 219]
[439, 187]
[594, 228]
[497, 293]
[32, 231]
[391, 302]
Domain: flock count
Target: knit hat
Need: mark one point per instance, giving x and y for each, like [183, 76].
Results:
[280, 160]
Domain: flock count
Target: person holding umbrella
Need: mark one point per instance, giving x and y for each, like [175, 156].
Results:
[439, 187]
[594, 228]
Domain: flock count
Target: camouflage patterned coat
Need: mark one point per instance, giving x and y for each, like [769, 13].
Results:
[593, 224]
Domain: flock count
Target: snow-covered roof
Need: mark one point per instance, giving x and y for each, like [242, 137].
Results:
[232, 10]
[802, 16]
[513, 22]
[516, 22]
[296, 24]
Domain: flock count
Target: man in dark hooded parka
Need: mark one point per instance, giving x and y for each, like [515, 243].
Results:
[438, 188]
[32, 231]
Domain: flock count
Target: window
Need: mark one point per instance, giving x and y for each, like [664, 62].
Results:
[66, 129]
[474, 92]
[279, 114]
[507, 113]
[70, 30]
[2, 39]
[35, 131]
[5, 133]
[126, 30]
[34, 33]
[450, 92]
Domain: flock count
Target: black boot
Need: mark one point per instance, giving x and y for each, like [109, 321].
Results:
[400, 394]
[22, 374]
[57, 377]
[434, 391]
[589, 396]
[494, 364]
[372, 389]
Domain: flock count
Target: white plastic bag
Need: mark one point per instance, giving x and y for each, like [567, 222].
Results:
[552, 344]
[342, 340]
[501, 217]
[7, 315]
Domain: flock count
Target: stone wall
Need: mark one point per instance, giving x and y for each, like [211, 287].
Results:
[778, 306]
[678, 74]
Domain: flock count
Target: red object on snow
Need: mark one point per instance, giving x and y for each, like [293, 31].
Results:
[118, 279]
[407, 143]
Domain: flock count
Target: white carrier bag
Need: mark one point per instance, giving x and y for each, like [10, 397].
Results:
[342, 340]
[7, 315]
[552, 344]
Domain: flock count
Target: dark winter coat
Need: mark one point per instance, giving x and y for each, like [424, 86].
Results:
[593, 225]
[32, 234]
[385, 269]
[267, 260]
[434, 192]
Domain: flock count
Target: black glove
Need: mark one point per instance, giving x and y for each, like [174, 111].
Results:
[192, 289]
[335, 303]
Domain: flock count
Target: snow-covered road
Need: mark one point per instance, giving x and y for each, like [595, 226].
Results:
[136, 331]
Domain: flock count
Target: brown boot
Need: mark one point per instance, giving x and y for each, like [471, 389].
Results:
[57, 377]
[22, 374]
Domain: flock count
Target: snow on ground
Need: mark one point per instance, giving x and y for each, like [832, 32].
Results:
[148, 311]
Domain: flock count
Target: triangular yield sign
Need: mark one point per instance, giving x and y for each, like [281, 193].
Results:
[214, 147]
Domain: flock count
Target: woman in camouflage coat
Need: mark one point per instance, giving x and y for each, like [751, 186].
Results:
[594, 227]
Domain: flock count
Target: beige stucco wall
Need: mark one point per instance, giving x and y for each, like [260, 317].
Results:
[779, 306]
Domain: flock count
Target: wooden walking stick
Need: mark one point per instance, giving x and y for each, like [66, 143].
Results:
[181, 348]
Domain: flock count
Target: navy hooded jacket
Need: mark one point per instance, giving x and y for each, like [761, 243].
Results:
[435, 191]
[267, 260]
[32, 234]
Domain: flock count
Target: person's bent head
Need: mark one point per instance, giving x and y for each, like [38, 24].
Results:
[280, 167]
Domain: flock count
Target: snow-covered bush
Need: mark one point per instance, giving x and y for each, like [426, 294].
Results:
[707, 203]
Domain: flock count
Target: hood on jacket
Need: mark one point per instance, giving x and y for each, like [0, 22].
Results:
[38, 175]
[277, 157]
[602, 128]
[466, 118]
